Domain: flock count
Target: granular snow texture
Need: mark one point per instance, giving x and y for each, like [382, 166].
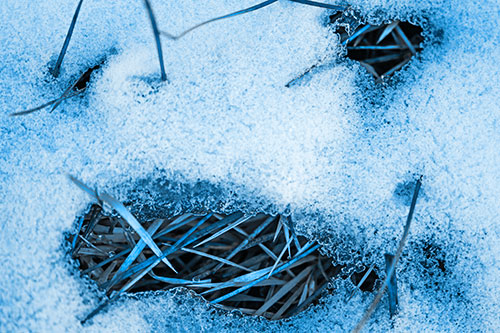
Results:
[336, 150]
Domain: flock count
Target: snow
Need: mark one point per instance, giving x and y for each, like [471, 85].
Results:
[332, 149]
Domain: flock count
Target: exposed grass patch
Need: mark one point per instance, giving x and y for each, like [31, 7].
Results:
[381, 49]
[256, 264]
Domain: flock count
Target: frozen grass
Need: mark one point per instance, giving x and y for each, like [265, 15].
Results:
[255, 280]
[335, 151]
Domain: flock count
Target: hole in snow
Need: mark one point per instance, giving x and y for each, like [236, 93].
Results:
[256, 264]
[369, 283]
[381, 49]
[84, 79]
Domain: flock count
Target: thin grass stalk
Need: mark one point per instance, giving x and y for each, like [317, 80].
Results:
[402, 242]
[156, 33]
[57, 67]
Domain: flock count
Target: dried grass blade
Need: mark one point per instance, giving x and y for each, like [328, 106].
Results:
[105, 275]
[395, 68]
[220, 232]
[287, 239]
[287, 245]
[309, 300]
[387, 31]
[288, 303]
[246, 298]
[356, 34]
[303, 295]
[278, 229]
[178, 281]
[305, 247]
[57, 100]
[405, 39]
[238, 248]
[59, 61]
[251, 284]
[320, 4]
[92, 245]
[132, 221]
[75, 238]
[175, 226]
[402, 242]
[137, 249]
[392, 287]
[156, 33]
[150, 263]
[363, 279]
[85, 188]
[384, 58]
[222, 260]
[376, 47]
[243, 11]
[283, 290]
[104, 262]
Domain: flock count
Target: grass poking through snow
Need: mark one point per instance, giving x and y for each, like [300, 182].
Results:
[156, 33]
[57, 67]
[234, 261]
[395, 260]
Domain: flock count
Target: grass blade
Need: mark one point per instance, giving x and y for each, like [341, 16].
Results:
[156, 33]
[288, 302]
[402, 242]
[387, 31]
[395, 68]
[376, 47]
[226, 229]
[137, 250]
[57, 100]
[85, 188]
[243, 11]
[363, 279]
[246, 241]
[287, 245]
[132, 221]
[384, 58]
[251, 284]
[184, 241]
[283, 290]
[309, 300]
[320, 4]
[405, 39]
[227, 262]
[80, 224]
[178, 281]
[287, 238]
[104, 262]
[356, 34]
[278, 229]
[173, 226]
[59, 61]
[392, 287]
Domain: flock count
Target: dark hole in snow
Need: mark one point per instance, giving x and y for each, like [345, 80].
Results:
[227, 259]
[84, 79]
[381, 49]
[370, 281]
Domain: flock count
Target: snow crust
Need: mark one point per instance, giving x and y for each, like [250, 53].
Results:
[336, 150]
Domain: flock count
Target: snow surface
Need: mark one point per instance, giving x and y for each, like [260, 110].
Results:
[336, 150]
